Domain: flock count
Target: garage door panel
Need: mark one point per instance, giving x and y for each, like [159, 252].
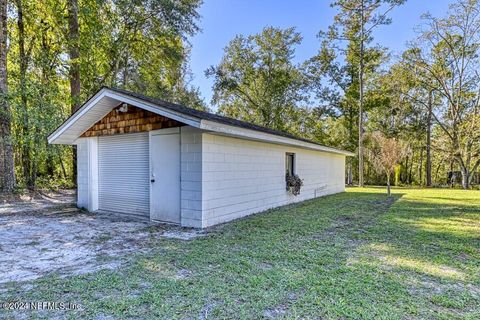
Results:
[124, 174]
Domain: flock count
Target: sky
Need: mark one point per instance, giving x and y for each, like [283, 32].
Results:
[222, 20]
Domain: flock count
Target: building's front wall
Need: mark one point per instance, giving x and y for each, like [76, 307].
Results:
[88, 154]
[241, 177]
[87, 173]
[225, 178]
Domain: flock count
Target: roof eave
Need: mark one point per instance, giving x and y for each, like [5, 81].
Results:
[113, 97]
[106, 93]
[266, 137]
[52, 138]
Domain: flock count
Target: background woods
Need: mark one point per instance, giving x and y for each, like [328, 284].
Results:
[427, 97]
[61, 52]
[55, 54]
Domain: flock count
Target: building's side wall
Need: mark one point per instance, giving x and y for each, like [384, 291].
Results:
[87, 173]
[241, 177]
[191, 177]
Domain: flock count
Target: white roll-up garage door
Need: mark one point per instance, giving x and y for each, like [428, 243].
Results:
[123, 167]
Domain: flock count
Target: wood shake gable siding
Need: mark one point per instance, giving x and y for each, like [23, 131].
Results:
[132, 121]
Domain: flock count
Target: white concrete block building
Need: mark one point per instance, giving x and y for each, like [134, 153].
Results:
[165, 162]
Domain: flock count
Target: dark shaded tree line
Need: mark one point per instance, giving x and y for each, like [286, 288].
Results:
[61, 52]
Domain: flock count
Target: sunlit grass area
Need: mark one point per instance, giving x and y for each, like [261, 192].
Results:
[356, 255]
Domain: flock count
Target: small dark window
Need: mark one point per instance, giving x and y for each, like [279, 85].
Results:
[290, 164]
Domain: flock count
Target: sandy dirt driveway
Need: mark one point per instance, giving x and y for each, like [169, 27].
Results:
[47, 233]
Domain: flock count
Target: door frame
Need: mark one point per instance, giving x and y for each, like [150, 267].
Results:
[166, 131]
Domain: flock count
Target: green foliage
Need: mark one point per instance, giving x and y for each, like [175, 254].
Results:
[396, 174]
[142, 46]
[355, 255]
[447, 52]
[338, 61]
[257, 81]
[138, 45]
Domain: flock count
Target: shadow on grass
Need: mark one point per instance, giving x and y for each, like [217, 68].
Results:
[355, 255]
[429, 245]
[463, 200]
[437, 240]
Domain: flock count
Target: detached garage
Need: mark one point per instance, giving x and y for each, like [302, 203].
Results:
[165, 162]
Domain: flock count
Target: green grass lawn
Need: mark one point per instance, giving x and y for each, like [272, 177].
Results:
[356, 255]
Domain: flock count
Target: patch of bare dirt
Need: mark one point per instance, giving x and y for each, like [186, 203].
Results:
[45, 234]
[35, 201]
[277, 312]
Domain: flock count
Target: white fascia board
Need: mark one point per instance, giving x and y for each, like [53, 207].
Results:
[266, 137]
[67, 124]
[191, 121]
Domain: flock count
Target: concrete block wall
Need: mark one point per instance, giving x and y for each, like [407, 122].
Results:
[225, 178]
[82, 173]
[241, 177]
[87, 173]
[191, 177]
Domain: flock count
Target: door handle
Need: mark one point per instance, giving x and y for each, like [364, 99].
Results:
[152, 180]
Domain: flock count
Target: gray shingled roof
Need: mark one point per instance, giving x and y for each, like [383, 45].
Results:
[202, 115]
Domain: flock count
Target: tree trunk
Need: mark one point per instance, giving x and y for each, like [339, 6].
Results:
[50, 165]
[74, 54]
[349, 173]
[34, 171]
[74, 70]
[420, 168]
[429, 142]
[452, 178]
[64, 172]
[465, 177]
[25, 150]
[368, 175]
[404, 175]
[7, 175]
[409, 179]
[360, 109]
[388, 184]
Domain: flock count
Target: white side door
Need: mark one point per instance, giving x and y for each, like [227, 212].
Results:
[165, 175]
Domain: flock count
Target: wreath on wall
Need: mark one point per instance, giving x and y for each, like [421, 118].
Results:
[294, 184]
